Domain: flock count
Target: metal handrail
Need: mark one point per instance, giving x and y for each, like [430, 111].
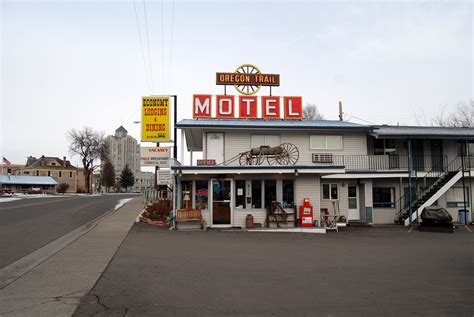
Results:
[438, 171]
[391, 162]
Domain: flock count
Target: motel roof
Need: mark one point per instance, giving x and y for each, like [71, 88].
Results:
[420, 132]
[27, 180]
[270, 124]
[194, 128]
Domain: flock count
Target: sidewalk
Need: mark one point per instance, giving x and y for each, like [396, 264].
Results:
[56, 286]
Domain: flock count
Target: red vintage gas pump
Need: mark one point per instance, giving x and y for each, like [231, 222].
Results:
[306, 214]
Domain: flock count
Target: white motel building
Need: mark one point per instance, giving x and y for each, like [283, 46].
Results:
[360, 172]
[271, 158]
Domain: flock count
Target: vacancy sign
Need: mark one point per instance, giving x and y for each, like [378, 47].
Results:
[156, 119]
[155, 156]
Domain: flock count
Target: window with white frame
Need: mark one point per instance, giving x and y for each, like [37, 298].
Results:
[455, 197]
[325, 142]
[330, 192]
[270, 140]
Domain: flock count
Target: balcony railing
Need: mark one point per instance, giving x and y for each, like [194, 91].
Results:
[380, 162]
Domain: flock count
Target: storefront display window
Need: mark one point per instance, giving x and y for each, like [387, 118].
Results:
[270, 191]
[256, 194]
[240, 194]
[288, 193]
[186, 194]
[202, 194]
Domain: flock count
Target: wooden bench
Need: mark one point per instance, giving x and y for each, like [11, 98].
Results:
[188, 215]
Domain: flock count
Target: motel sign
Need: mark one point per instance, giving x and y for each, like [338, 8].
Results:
[247, 79]
[249, 107]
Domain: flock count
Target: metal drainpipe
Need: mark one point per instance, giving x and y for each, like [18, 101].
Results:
[410, 211]
[463, 178]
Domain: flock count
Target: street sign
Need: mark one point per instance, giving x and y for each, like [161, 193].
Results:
[156, 119]
[164, 177]
[155, 156]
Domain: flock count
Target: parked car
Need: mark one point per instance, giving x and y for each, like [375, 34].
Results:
[5, 192]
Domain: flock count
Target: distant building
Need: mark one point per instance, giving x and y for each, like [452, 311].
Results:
[143, 180]
[28, 184]
[61, 170]
[123, 150]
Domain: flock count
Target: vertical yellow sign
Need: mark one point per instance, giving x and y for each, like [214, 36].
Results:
[156, 119]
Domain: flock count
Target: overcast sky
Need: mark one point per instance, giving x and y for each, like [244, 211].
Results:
[73, 64]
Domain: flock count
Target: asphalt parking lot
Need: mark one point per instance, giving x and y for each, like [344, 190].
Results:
[359, 271]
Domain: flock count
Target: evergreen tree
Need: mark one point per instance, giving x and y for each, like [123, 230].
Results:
[107, 175]
[127, 179]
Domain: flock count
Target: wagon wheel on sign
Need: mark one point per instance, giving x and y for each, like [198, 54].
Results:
[289, 156]
[247, 69]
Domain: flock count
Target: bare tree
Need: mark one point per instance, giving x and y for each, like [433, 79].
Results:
[90, 146]
[311, 112]
[462, 117]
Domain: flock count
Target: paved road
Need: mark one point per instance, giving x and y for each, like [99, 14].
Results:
[27, 225]
[361, 272]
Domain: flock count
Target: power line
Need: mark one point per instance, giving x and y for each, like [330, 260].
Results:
[352, 116]
[171, 47]
[162, 51]
[141, 46]
[148, 45]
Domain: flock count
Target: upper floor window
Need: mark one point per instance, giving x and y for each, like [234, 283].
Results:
[325, 142]
[60, 174]
[70, 174]
[270, 140]
[462, 150]
[384, 146]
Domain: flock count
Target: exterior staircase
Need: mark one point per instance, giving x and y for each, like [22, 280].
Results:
[445, 178]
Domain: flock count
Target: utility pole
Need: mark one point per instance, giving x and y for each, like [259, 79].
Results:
[340, 111]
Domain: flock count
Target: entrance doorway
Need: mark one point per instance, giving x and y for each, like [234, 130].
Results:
[353, 202]
[215, 146]
[221, 202]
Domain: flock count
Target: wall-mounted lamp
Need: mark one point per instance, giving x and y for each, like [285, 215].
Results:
[180, 173]
[296, 172]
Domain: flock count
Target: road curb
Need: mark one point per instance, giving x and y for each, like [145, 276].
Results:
[15, 270]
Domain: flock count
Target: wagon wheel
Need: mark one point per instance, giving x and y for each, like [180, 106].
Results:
[271, 159]
[247, 69]
[249, 159]
[289, 156]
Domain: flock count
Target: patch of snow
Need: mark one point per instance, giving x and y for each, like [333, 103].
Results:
[122, 202]
[6, 199]
[20, 196]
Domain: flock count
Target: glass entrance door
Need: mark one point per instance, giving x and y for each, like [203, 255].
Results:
[221, 202]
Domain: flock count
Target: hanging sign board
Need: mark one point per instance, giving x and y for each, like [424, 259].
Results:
[155, 156]
[164, 177]
[156, 119]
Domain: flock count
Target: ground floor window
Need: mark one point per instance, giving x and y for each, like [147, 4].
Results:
[240, 194]
[288, 193]
[256, 194]
[202, 194]
[455, 197]
[383, 197]
[270, 192]
[186, 194]
[330, 192]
